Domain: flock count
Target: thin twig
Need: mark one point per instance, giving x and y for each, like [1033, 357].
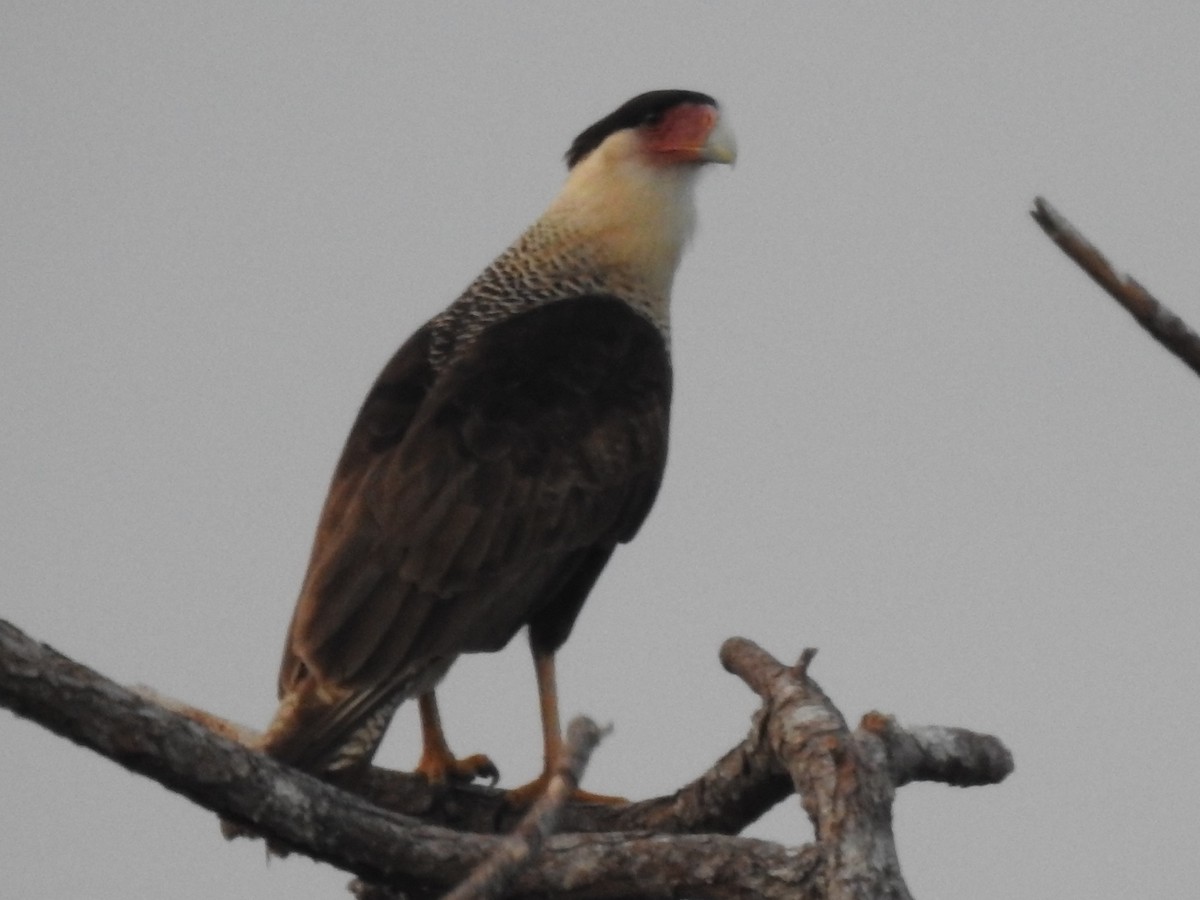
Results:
[1162, 324]
[492, 877]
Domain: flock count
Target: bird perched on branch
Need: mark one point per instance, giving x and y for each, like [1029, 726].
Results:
[505, 450]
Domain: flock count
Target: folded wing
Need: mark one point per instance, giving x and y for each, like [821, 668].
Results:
[472, 501]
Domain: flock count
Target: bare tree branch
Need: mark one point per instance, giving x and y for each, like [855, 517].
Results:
[518, 849]
[951, 756]
[1164, 326]
[738, 789]
[846, 783]
[304, 814]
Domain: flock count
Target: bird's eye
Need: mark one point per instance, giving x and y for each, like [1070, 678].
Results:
[652, 118]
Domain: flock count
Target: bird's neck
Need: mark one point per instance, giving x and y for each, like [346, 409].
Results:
[616, 229]
[627, 220]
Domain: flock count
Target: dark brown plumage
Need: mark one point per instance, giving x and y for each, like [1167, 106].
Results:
[502, 454]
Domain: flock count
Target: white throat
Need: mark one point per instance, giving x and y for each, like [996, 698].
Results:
[631, 217]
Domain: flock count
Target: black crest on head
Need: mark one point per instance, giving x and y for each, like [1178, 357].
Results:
[642, 108]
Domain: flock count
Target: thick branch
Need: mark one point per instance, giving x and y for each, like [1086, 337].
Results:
[953, 756]
[1164, 326]
[738, 789]
[846, 783]
[322, 821]
[846, 794]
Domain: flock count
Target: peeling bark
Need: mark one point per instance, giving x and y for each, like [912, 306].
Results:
[798, 742]
[847, 795]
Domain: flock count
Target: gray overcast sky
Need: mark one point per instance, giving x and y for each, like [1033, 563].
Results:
[907, 430]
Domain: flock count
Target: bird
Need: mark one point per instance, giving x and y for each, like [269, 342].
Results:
[502, 454]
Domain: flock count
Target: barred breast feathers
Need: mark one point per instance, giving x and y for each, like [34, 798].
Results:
[617, 227]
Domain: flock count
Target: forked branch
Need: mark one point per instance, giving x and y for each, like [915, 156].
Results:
[846, 782]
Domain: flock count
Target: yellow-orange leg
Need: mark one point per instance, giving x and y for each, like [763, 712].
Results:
[438, 764]
[552, 742]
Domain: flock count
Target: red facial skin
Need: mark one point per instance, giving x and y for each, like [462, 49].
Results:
[682, 133]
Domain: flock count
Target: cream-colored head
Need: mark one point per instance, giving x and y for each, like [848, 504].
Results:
[618, 226]
[628, 200]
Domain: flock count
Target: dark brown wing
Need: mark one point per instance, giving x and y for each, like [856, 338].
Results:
[469, 505]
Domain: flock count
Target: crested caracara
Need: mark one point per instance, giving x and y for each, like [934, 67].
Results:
[505, 450]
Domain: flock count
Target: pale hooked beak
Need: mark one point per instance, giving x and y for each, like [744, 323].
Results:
[720, 147]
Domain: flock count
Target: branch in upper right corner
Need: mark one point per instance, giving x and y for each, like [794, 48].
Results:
[1164, 326]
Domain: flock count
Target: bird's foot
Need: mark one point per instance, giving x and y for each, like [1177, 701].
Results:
[527, 794]
[439, 768]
